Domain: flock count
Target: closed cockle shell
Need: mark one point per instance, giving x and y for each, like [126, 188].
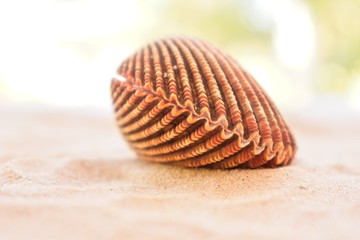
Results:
[185, 102]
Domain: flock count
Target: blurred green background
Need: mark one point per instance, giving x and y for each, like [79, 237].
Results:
[63, 52]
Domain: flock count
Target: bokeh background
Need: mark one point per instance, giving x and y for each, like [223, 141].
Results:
[305, 53]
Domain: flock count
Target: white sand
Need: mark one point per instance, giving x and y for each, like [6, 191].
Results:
[67, 174]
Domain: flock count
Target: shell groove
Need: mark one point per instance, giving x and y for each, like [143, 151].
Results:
[185, 102]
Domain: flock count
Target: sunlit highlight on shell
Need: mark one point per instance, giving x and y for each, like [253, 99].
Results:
[185, 102]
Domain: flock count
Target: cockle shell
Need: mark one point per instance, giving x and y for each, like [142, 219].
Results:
[185, 102]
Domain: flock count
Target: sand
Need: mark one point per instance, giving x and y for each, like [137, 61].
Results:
[68, 174]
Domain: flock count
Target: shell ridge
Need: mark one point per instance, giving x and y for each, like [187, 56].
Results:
[147, 68]
[156, 64]
[183, 76]
[139, 63]
[200, 89]
[169, 72]
[214, 96]
[149, 132]
[232, 112]
[160, 98]
[243, 100]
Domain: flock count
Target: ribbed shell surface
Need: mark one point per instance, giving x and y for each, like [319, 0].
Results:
[185, 102]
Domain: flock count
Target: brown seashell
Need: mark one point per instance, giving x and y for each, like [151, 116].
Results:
[185, 102]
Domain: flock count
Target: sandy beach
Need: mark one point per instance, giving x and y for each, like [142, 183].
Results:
[68, 174]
